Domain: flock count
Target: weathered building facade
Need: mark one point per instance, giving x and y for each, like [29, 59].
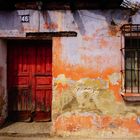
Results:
[71, 62]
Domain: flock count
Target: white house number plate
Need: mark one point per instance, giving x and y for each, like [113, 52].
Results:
[25, 18]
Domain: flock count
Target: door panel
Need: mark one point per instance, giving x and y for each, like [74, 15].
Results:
[43, 82]
[30, 80]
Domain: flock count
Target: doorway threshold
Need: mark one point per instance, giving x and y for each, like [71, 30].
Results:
[24, 129]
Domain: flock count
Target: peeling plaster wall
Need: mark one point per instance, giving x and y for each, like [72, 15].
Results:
[3, 96]
[87, 84]
[87, 97]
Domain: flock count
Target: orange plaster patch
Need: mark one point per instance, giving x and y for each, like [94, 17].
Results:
[57, 51]
[103, 43]
[87, 38]
[106, 120]
[116, 89]
[96, 33]
[51, 25]
[73, 123]
[76, 122]
[60, 87]
[132, 125]
[113, 30]
[128, 123]
[28, 28]
[75, 72]
[109, 71]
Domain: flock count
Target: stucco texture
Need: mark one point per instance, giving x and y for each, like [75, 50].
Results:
[87, 79]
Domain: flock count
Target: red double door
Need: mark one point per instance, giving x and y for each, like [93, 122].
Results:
[29, 68]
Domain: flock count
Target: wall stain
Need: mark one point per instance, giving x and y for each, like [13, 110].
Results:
[90, 94]
[51, 26]
[91, 103]
[113, 30]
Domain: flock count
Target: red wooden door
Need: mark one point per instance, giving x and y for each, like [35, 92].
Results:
[29, 80]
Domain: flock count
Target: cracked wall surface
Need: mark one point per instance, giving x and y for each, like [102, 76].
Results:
[87, 83]
[89, 107]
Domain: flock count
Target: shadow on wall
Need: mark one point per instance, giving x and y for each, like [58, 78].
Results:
[114, 19]
[78, 20]
[49, 24]
[2, 102]
[10, 21]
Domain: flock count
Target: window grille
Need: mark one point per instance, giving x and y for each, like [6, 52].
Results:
[131, 54]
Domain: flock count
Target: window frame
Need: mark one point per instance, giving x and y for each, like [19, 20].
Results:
[130, 32]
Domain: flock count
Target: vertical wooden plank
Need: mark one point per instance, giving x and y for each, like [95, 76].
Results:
[24, 63]
[42, 95]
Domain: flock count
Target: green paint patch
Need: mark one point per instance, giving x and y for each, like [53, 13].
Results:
[90, 95]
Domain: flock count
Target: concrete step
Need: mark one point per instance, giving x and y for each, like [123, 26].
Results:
[24, 129]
